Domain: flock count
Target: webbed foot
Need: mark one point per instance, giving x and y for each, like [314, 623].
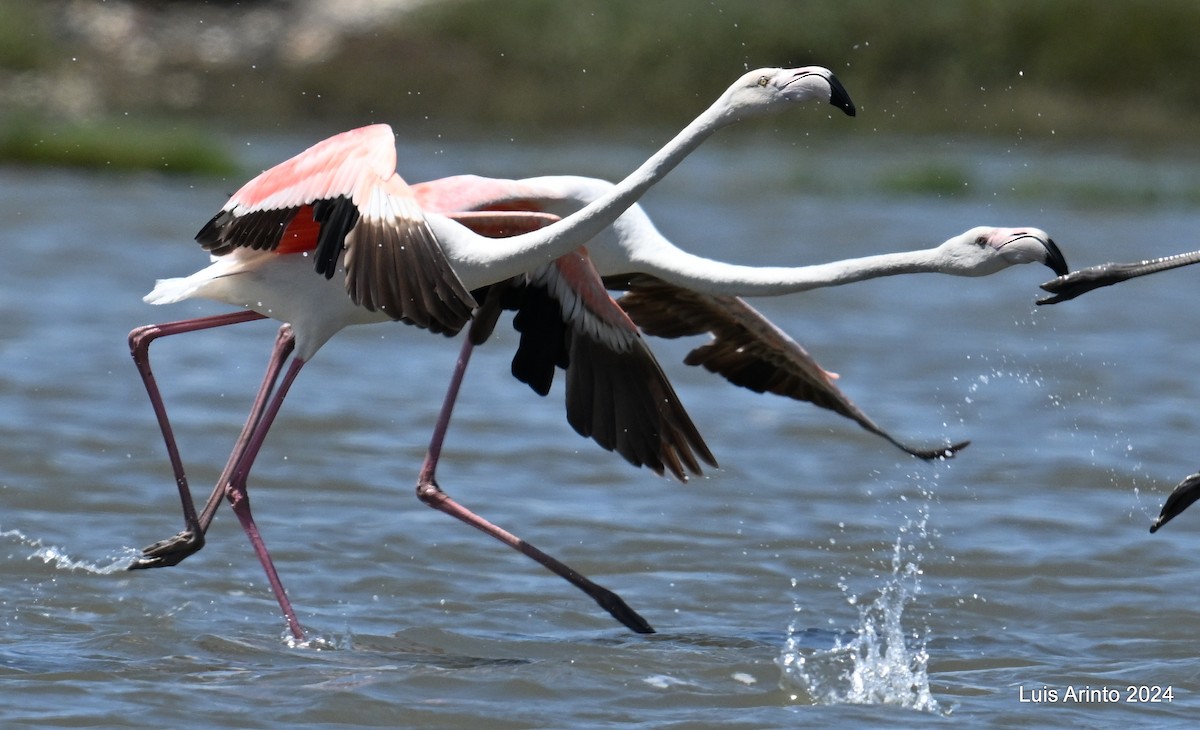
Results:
[171, 551]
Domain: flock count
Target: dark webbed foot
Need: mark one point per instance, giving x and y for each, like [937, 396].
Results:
[1182, 497]
[1071, 285]
[171, 551]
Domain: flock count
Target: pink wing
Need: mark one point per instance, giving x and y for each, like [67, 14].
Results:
[472, 192]
[343, 194]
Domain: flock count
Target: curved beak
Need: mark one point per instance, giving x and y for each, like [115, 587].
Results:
[1022, 250]
[1054, 258]
[839, 97]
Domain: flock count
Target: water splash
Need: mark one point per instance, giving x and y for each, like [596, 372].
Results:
[882, 662]
[56, 556]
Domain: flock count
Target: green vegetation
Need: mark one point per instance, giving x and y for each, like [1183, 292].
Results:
[23, 43]
[1061, 70]
[1081, 67]
[114, 146]
[931, 179]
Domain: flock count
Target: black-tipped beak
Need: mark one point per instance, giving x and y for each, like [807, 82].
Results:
[839, 97]
[1054, 258]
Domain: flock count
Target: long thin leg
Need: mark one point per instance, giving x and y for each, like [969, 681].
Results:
[238, 496]
[285, 342]
[174, 549]
[431, 494]
[191, 539]
[232, 482]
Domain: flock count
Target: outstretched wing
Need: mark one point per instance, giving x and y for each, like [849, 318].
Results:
[746, 349]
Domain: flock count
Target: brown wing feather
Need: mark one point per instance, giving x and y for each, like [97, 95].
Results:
[395, 265]
[626, 404]
[617, 393]
[746, 349]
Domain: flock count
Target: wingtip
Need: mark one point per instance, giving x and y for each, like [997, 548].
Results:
[941, 453]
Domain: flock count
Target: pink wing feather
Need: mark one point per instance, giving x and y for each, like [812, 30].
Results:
[343, 196]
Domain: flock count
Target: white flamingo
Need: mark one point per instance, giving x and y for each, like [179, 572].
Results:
[672, 293]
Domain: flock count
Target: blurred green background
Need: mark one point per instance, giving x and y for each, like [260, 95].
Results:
[142, 84]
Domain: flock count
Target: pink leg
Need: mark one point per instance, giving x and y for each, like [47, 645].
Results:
[431, 494]
[232, 483]
[191, 539]
[285, 342]
[173, 550]
[234, 487]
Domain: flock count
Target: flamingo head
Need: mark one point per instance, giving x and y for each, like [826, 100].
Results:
[986, 250]
[765, 89]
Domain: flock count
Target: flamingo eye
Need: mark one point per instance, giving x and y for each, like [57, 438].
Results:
[981, 241]
[763, 80]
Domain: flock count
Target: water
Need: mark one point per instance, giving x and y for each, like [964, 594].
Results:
[819, 577]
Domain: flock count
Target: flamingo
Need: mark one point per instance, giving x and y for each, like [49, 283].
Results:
[678, 294]
[746, 348]
[340, 208]
[571, 322]
[1068, 286]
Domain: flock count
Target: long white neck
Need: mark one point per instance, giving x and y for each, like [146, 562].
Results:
[479, 260]
[633, 244]
[715, 277]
